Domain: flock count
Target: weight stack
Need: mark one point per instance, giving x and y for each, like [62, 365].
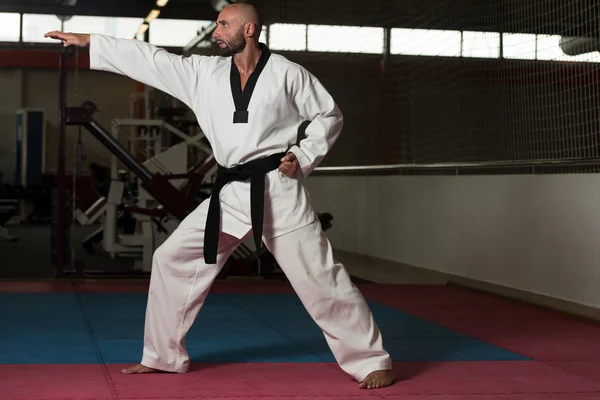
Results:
[54, 228]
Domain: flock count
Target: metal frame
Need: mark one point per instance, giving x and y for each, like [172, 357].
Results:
[205, 33]
[190, 140]
[61, 161]
[11, 206]
[392, 169]
[144, 243]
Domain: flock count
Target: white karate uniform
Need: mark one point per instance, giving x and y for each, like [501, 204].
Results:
[285, 95]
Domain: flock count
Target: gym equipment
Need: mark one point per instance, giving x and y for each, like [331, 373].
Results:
[12, 198]
[147, 201]
[8, 208]
[30, 163]
[133, 221]
[30, 151]
[55, 243]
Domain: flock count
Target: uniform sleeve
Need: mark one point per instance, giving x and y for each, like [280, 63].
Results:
[317, 106]
[148, 64]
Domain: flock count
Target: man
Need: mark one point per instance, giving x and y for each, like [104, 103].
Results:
[249, 104]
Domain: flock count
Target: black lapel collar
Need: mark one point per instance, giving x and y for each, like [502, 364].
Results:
[242, 99]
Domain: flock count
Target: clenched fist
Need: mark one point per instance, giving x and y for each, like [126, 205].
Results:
[75, 39]
[289, 164]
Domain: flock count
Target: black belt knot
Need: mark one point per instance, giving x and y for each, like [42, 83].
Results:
[255, 171]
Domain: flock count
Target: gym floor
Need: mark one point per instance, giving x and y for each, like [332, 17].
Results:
[253, 339]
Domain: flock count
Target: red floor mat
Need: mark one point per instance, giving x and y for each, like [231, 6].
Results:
[490, 323]
[586, 369]
[253, 379]
[566, 350]
[546, 396]
[553, 349]
[31, 287]
[429, 295]
[86, 382]
[472, 380]
[28, 382]
[484, 378]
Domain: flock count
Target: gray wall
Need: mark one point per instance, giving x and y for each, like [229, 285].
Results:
[110, 92]
[10, 101]
[535, 233]
[38, 88]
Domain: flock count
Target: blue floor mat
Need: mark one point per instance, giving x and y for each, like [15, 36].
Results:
[67, 328]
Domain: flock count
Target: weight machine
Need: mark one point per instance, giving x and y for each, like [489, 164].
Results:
[8, 208]
[160, 194]
[124, 204]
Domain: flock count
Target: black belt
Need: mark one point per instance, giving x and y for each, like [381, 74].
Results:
[255, 171]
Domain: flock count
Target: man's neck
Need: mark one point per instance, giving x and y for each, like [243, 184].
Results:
[246, 60]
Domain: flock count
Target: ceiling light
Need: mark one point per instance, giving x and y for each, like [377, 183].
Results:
[161, 3]
[152, 15]
[143, 28]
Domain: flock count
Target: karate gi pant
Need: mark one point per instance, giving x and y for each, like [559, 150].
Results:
[180, 282]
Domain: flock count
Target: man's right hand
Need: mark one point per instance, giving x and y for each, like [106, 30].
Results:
[75, 39]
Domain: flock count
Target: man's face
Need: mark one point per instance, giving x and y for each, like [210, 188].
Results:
[229, 34]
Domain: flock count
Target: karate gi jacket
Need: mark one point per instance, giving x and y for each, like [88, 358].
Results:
[284, 95]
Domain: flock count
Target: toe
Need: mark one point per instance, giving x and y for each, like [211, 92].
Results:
[378, 379]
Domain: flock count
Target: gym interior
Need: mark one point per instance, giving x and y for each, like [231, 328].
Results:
[461, 197]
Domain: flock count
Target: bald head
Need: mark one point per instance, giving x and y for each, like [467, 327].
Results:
[247, 14]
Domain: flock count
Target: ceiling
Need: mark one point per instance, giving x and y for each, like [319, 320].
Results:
[177, 9]
[572, 17]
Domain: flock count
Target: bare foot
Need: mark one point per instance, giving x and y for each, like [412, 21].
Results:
[139, 369]
[378, 379]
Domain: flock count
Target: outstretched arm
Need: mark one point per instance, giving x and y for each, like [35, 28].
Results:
[317, 105]
[141, 61]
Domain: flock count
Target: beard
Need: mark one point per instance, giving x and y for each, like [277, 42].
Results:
[233, 46]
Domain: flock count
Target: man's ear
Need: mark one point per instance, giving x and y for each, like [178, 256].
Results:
[250, 29]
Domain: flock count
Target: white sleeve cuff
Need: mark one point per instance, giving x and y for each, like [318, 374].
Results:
[303, 160]
[94, 53]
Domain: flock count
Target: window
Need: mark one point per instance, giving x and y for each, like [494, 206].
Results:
[174, 32]
[117, 27]
[548, 48]
[287, 37]
[481, 44]
[36, 25]
[518, 46]
[346, 39]
[263, 35]
[10, 26]
[424, 42]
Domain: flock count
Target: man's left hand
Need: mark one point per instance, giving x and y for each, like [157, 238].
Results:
[289, 165]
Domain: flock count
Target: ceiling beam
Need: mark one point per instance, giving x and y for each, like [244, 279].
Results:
[572, 18]
[114, 8]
